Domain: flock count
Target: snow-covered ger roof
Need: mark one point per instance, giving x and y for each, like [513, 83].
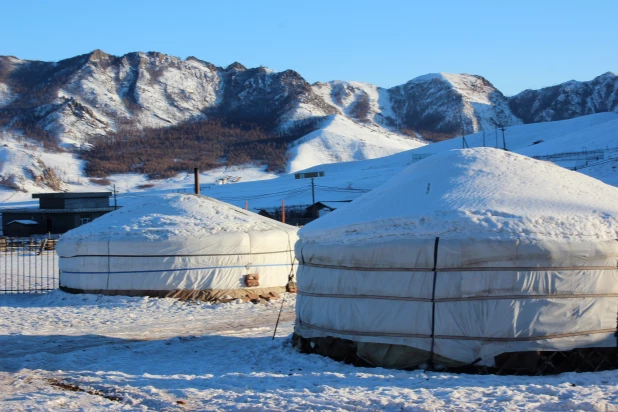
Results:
[476, 193]
[177, 215]
[177, 245]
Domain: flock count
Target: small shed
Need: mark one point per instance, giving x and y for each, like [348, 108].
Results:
[23, 228]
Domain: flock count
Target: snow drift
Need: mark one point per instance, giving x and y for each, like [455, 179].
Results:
[177, 245]
[462, 257]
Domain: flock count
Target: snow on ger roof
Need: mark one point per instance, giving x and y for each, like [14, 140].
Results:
[476, 193]
[175, 215]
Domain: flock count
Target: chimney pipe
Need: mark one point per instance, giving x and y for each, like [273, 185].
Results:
[196, 175]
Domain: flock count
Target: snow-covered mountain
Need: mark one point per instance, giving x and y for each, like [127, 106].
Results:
[73, 102]
[87, 96]
[449, 104]
[567, 100]
[438, 103]
[362, 102]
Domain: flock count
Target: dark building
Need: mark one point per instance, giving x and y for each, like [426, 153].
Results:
[319, 209]
[300, 215]
[295, 215]
[57, 213]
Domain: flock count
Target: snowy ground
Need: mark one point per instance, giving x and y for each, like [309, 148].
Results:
[68, 352]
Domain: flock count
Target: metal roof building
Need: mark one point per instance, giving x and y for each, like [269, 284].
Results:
[57, 213]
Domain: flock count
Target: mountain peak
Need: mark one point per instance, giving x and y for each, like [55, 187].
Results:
[156, 55]
[456, 80]
[236, 67]
[205, 63]
[428, 77]
[98, 54]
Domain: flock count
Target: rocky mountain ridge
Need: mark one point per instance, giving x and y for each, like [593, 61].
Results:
[78, 98]
[73, 102]
[567, 100]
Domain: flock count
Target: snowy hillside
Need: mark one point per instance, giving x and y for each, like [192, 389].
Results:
[348, 180]
[28, 168]
[360, 101]
[343, 140]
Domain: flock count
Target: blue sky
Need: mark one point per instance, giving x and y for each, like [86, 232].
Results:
[515, 44]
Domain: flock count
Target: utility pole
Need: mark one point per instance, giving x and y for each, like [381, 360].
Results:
[312, 176]
[115, 200]
[503, 138]
[196, 180]
[282, 211]
[313, 191]
[616, 335]
[500, 121]
[464, 144]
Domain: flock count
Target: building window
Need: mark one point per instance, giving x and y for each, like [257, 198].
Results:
[84, 220]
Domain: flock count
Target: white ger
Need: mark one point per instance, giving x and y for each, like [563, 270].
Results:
[179, 245]
[461, 258]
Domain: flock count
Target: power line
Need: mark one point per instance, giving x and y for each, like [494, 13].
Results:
[342, 189]
[275, 194]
